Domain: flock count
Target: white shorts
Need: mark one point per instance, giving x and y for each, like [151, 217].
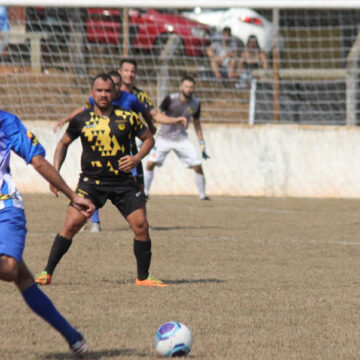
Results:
[184, 149]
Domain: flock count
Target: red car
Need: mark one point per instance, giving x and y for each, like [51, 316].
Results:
[149, 29]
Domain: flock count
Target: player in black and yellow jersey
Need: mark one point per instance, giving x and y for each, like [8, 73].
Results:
[106, 164]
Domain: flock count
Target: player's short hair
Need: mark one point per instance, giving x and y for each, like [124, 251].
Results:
[187, 78]
[103, 76]
[227, 29]
[129, 61]
[114, 73]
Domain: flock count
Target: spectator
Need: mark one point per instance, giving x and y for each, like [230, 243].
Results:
[222, 54]
[4, 29]
[250, 59]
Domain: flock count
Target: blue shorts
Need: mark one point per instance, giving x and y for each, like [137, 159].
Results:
[12, 232]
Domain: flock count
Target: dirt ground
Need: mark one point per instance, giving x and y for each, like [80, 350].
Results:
[253, 278]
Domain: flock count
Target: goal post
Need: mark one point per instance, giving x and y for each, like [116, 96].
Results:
[214, 4]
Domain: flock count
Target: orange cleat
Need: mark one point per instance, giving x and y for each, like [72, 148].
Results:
[43, 278]
[150, 282]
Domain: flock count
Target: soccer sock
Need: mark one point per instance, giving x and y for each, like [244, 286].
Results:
[142, 251]
[42, 306]
[200, 183]
[60, 247]
[148, 178]
[95, 218]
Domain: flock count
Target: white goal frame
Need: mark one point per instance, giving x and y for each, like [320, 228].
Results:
[255, 4]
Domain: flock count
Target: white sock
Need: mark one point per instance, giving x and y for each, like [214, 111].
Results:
[200, 183]
[148, 178]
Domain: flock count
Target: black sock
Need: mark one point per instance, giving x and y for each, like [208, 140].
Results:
[142, 251]
[60, 247]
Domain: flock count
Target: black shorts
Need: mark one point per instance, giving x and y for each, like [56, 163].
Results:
[126, 195]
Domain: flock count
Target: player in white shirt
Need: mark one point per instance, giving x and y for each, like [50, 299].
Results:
[174, 137]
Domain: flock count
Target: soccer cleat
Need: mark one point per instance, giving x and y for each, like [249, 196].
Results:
[80, 348]
[43, 278]
[151, 282]
[205, 198]
[95, 227]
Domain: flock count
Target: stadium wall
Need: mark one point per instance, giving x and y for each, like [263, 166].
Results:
[260, 160]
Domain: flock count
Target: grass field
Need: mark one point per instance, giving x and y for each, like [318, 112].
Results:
[253, 278]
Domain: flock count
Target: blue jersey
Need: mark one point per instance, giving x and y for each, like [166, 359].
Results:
[126, 101]
[14, 136]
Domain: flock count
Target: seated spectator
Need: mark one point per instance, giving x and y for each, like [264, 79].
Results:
[4, 29]
[222, 54]
[250, 59]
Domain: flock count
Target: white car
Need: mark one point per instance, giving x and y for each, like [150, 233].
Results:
[242, 21]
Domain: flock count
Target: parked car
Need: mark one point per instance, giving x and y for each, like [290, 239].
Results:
[149, 29]
[242, 21]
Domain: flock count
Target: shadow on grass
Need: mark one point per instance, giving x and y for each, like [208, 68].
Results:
[132, 281]
[194, 281]
[93, 355]
[174, 282]
[202, 227]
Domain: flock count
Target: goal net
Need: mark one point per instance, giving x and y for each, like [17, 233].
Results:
[304, 71]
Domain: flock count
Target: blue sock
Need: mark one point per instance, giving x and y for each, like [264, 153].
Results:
[95, 217]
[42, 305]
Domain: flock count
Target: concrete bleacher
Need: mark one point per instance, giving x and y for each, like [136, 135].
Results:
[18, 36]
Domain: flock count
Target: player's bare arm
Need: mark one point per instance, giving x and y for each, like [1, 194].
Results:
[59, 124]
[129, 162]
[45, 169]
[59, 157]
[199, 134]
[161, 118]
[149, 121]
[198, 129]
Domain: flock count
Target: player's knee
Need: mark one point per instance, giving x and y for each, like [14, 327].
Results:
[150, 166]
[198, 169]
[9, 268]
[71, 228]
[141, 229]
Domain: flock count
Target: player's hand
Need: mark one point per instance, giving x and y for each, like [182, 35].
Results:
[58, 125]
[85, 206]
[127, 163]
[54, 190]
[204, 155]
[182, 121]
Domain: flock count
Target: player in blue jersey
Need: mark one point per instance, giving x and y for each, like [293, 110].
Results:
[15, 137]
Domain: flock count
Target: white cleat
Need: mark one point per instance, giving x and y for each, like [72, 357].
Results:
[80, 348]
[95, 228]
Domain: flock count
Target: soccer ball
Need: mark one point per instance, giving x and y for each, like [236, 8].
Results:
[173, 339]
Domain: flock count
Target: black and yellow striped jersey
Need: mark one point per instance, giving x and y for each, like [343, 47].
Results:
[104, 141]
[142, 97]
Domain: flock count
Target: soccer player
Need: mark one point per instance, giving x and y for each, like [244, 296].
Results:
[106, 165]
[128, 101]
[127, 70]
[174, 137]
[15, 137]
